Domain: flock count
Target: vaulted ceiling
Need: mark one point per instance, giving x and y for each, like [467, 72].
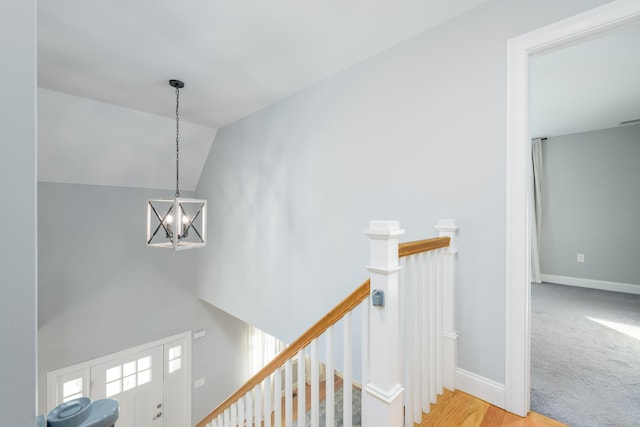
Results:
[235, 58]
[106, 111]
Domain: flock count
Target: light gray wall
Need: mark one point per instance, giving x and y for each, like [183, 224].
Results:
[103, 290]
[414, 134]
[18, 297]
[591, 205]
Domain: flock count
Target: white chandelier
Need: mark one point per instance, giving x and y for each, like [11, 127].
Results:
[179, 223]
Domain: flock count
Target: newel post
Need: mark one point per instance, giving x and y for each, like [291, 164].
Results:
[448, 228]
[383, 390]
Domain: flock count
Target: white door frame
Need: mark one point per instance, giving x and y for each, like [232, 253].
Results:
[85, 367]
[518, 274]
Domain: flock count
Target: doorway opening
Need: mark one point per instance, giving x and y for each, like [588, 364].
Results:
[518, 247]
[585, 204]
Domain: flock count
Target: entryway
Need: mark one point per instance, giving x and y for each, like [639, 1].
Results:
[150, 382]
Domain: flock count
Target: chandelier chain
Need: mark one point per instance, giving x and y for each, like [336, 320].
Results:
[177, 142]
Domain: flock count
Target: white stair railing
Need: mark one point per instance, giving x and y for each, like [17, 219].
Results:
[430, 341]
[408, 338]
[255, 404]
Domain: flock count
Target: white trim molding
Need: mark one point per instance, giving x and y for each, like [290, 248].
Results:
[603, 285]
[518, 190]
[387, 396]
[481, 387]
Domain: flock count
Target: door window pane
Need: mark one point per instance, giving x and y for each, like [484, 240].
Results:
[128, 382]
[114, 373]
[72, 388]
[128, 369]
[175, 365]
[175, 352]
[114, 388]
[144, 377]
[175, 359]
[144, 363]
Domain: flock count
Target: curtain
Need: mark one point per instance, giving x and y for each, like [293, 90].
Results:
[262, 349]
[536, 207]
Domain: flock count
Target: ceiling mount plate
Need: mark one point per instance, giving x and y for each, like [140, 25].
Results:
[176, 83]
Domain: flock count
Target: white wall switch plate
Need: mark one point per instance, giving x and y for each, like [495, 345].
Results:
[199, 334]
[580, 258]
[198, 383]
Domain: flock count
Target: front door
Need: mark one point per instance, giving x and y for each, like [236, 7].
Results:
[136, 382]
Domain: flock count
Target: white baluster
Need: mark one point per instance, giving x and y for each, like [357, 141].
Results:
[425, 284]
[416, 342]
[227, 417]
[406, 333]
[365, 346]
[241, 412]
[439, 321]
[384, 392]
[234, 414]
[267, 402]
[433, 331]
[288, 394]
[302, 395]
[257, 404]
[347, 379]
[329, 382]
[315, 385]
[277, 398]
[427, 333]
[249, 407]
[448, 228]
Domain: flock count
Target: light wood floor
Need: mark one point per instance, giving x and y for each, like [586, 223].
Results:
[460, 409]
[455, 409]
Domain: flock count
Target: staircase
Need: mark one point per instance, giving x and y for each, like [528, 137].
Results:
[356, 418]
[397, 329]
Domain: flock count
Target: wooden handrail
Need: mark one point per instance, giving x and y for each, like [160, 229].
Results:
[348, 304]
[331, 318]
[411, 248]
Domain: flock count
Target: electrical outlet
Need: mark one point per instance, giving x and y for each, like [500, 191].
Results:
[580, 258]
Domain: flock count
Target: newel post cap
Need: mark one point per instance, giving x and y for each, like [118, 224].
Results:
[384, 230]
[447, 225]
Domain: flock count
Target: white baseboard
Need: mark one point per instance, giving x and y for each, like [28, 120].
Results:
[481, 387]
[592, 284]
